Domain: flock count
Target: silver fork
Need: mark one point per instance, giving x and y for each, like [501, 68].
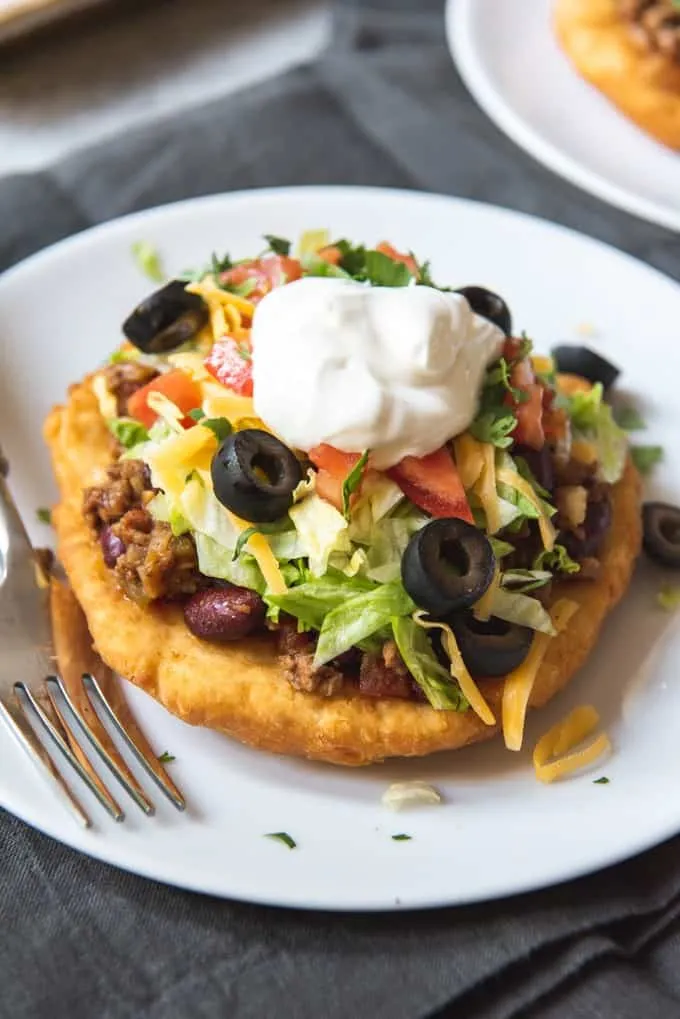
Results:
[42, 624]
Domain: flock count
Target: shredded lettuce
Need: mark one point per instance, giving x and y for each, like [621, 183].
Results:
[360, 617]
[522, 610]
[312, 600]
[322, 531]
[442, 692]
[593, 420]
[214, 560]
[557, 561]
[128, 431]
[522, 581]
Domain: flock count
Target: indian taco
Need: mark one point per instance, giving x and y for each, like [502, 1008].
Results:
[630, 51]
[332, 509]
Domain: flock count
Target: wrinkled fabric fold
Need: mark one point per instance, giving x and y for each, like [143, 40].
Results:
[383, 106]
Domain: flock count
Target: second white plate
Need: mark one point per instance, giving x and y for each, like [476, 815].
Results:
[510, 60]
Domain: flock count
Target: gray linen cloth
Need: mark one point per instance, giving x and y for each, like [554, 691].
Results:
[383, 106]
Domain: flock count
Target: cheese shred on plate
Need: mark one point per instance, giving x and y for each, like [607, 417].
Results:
[520, 683]
[552, 759]
[260, 549]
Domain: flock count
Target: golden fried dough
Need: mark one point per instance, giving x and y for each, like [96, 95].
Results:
[237, 688]
[643, 84]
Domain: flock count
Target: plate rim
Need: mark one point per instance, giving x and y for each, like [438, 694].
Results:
[131, 863]
[514, 126]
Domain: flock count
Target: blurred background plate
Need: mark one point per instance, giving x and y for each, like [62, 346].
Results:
[509, 58]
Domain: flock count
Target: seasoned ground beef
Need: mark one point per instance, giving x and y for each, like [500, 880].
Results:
[155, 564]
[655, 25]
[124, 487]
[385, 675]
[124, 378]
[296, 659]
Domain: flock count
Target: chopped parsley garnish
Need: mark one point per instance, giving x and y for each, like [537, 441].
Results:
[668, 597]
[601, 781]
[282, 836]
[218, 265]
[629, 418]
[352, 482]
[148, 260]
[382, 271]
[402, 837]
[166, 757]
[279, 245]
[495, 426]
[44, 515]
[646, 457]
[127, 431]
[196, 414]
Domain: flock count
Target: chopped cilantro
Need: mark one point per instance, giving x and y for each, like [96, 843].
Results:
[629, 419]
[219, 265]
[352, 482]
[196, 414]
[220, 427]
[353, 258]
[282, 836]
[245, 352]
[166, 757]
[279, 245]
[601, 781]
[128, 431]
[646, 457]
[668, 597]
[402, 837]
[148, 260]
[494, 426]
[44, 515]
[383, 271]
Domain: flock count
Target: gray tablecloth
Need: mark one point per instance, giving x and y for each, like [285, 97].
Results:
[80, 939]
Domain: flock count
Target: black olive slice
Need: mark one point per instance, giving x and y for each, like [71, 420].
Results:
[661, 533]
[489, 305]
[447, 566]
[166, 319]
[587, 363]
[491, 648]
[254, 475]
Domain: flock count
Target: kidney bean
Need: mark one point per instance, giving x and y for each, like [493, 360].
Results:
[224, 613]
[112, 547]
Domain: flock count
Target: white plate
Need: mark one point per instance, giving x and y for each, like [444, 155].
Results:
[498, 831]
[510, 60]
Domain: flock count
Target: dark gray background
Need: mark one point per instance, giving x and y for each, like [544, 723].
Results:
[383, 106]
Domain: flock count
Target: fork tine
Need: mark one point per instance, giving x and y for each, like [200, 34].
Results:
[91, 725]
[51, 726]
[75, 655]
[134, 738]
[28, 741]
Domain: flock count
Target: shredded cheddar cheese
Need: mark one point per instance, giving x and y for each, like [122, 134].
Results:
[542, 365]
[459, 670]
[261, 551]
[482, 608]
[520, 683]
[178, 455]
[486, 489]
[551, 756]
[516, 481]
[584, 451]
[469, 459]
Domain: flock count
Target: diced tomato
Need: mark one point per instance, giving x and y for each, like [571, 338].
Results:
[529, 411]
[230, 363]
[433, 483]
[398, 256]
[267, 272]
[330, 254]
[333, 467]
[179, 388]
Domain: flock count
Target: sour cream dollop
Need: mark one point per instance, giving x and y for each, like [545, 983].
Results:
[395, 370]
